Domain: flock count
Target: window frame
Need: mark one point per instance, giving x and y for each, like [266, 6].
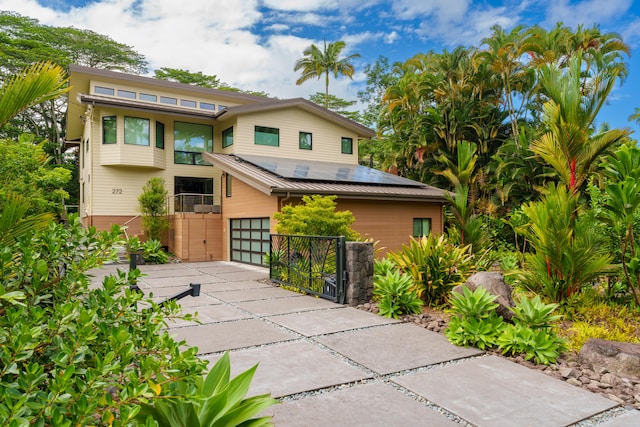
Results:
[148, 133]
[342, 146]
[228, 185]
[195, 156]
[225, 135]
[420, 225]
[115, 130]
[300, 140]
[160, 135]
[264, 130]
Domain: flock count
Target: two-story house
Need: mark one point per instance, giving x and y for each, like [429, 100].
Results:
[229, 161]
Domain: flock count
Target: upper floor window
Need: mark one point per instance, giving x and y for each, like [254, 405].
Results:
[126, 94]
[168, 100]
[421, 227]
[347, 145]
[228, 180]
[305, 141]
[267, 136]
[109, 130]
[101, 90]
[227, 137]
[190, 141]
[160, 135]
[207, 106]
[136, 131]
[148, 97]
[188, 103]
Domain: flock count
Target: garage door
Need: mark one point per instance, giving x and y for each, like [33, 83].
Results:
[249, 240]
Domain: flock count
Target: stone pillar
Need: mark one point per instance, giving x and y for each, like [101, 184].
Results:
[359, 266]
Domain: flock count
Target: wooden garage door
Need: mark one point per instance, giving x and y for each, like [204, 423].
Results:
[249, 240]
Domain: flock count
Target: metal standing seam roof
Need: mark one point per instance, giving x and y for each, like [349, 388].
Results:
[271, 184]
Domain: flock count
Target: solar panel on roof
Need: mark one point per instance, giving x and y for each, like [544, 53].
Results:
[306, 170]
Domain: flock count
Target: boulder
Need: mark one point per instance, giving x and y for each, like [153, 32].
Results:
[494, 283]
[620, 358]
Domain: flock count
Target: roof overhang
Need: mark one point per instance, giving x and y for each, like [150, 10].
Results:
[273, 185]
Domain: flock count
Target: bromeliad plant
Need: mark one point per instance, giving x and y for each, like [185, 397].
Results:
[436, 266]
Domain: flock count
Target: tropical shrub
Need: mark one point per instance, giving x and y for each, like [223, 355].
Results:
[532, 332]
[78, 355]
[568, 250]
[436, 266]
[153, 253]
[217, 401]
[395, 294]
[315, 216]
[474, 321]
[153, 206]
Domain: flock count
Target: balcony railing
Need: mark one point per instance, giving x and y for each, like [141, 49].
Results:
[194, 203]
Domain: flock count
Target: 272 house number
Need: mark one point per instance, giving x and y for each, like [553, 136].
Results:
[116, 191]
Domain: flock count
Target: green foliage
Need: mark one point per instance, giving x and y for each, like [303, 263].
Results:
[25, 170]
[78, 355]
[216, 401]
[153, 205]
[153, 253]
[395, 295]
[534, 313]
[568, 249]
[475, 323]
[436, 265]
[315, 216]
[382, 266]
[541, 345]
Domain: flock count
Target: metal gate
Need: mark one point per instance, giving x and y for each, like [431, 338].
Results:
[313, 264]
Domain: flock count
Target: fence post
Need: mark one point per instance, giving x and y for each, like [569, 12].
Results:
[341, 276]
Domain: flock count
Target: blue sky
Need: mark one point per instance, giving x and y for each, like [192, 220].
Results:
[253, 44]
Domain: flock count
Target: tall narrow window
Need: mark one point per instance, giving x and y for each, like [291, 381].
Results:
[190, 141]
[421, 227]
[305, 141]
[160, 135]
[228, 181]
[136, 131]
[267, 136]
[347, 145]
[109, 130]
[227, 137]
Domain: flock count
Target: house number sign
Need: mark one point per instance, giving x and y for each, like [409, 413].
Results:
[116, 191]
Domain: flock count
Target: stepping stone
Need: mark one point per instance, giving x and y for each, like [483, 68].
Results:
[157, 273]
[395, 347]
[209, 314]
[329, 321]
[217, 337]
[294, 303]
[491, 391]
[292, 367]
[263, 293]
[223, 285]
[372, 404]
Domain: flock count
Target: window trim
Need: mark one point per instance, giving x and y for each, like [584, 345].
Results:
[148, 131]
[421, 226]
[115, 130]
[300, 146]
[160, 135]
[342, 142]
[265, 130]
[226, 133]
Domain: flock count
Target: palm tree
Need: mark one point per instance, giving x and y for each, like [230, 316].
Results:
[36, 84]
[317, 63]
[569, 145]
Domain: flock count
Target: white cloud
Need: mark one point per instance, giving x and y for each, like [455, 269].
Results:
[391, 37]
[587, 12]
[442, 10]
